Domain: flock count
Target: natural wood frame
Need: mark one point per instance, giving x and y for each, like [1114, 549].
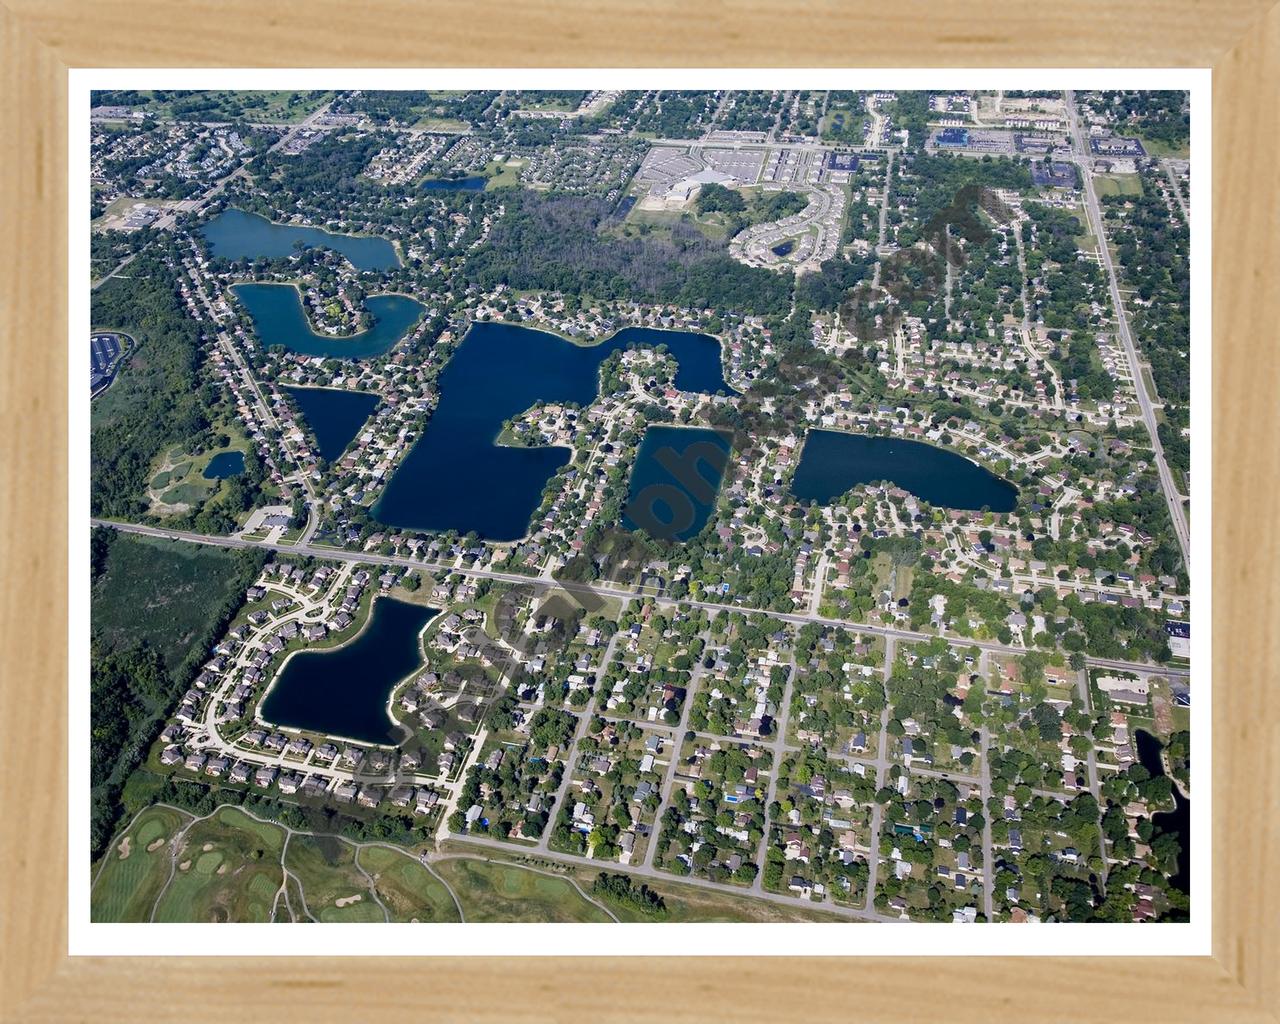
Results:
[41, 39]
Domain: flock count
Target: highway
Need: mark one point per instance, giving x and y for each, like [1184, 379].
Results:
[1177, 513]
[605, 590]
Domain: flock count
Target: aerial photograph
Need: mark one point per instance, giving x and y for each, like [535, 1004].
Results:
[639, 506]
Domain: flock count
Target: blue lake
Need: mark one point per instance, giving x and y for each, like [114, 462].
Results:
[224, 464]
[457, 478]
[277, 313]
[475, 183]
[674, 483]
[344, 691]
[834, 462]
[235, 234]
[334, 416]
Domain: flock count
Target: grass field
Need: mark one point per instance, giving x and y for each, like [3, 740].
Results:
[492, 891]
[505, 174]
[227, 104]
[409, 891]
[162, 591]
[687, 903]
[1157, 148]
[136, 868]
[473, 881]
[326, 868]
[1118, 184]
[228, 869]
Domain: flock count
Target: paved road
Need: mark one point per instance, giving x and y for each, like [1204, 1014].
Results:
[884, 215]
[673, 760]
[1174, 500]
[988, 856]
[517, 850]
[882, 771]
[1177, 189]
[169, 218]
[604, 590]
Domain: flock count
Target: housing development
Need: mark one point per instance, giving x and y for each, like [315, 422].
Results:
[640, 506]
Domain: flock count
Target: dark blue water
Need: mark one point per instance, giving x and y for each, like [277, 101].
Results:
[834, 462]
[1177, 821]
[277, 313]
[473, 184]
[343, 692]
[456, 478]
[235, 234]
[675, 481]
[785, 247]
[224, 464]
[335, 417]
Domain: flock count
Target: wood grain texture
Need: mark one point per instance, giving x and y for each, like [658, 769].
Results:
[652, 33]
[39, 39]
[1246, 545]
[33, 512]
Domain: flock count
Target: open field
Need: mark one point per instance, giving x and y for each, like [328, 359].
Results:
[163, 592]
[690, 904]
[1159, 148]
[494, 891]
[409, 891]
[504, 174]
[1117, 184]
[326, 868]
[685, 903]
[275, 105]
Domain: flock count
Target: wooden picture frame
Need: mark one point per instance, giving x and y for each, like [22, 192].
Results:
[42, 39]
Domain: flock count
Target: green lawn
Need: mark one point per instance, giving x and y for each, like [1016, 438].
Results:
[491, 891]
[1157, 148]
[326, 868]
[228, 869]
[1117, 185]
[228, 104]
[503, 175]
[135, 868]
[410, 891]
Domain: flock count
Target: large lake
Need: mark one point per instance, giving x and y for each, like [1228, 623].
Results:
[675, 481]
[334, 416]
[457, 478]
[278, 316]
[235, 234]
[834, 462]
[344, 691]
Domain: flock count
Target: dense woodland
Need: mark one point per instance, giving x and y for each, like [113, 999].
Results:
[158, 398]
[553, 243]
[134, 686]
